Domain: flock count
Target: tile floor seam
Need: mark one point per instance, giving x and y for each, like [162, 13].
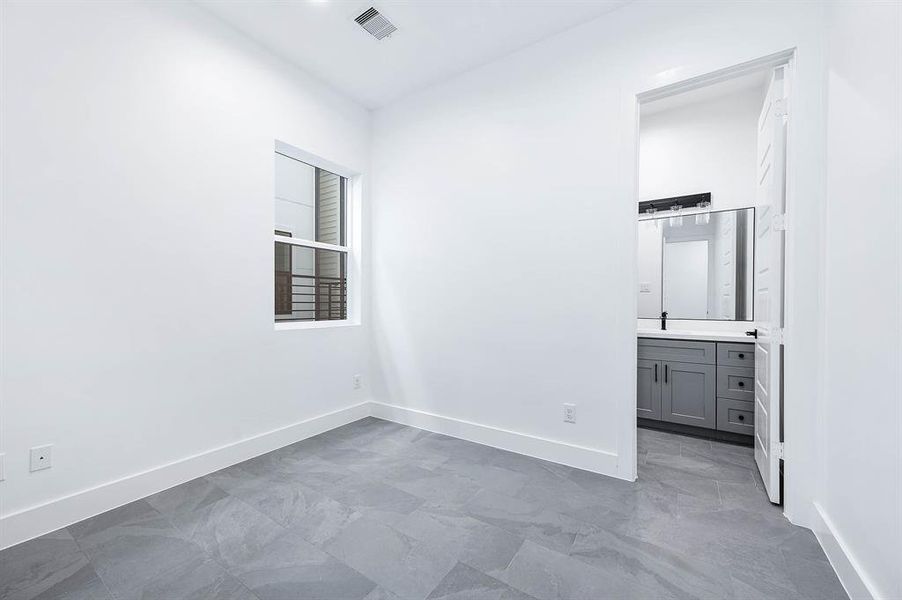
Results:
[510, 562]
[206, 553]
[106, 586]
[168, 518]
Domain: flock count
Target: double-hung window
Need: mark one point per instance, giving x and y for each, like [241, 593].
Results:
[311, 251]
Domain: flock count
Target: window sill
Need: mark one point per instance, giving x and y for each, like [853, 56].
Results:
[292, 325]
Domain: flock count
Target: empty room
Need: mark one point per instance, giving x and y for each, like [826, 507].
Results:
[450, 299]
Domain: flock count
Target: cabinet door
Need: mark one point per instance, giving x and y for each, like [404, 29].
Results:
[688, 394]
[648, 400]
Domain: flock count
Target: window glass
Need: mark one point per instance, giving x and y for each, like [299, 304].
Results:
[310, 283]
[309, 202]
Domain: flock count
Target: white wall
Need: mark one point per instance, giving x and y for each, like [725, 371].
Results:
[860, 486]
[706, 146]
[505, 227]
[137, 223]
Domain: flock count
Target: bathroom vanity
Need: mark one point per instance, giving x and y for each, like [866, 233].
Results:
[701, 383]
[696, 273]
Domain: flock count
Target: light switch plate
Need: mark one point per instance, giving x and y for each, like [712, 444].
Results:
[2, 472]
[40, 458]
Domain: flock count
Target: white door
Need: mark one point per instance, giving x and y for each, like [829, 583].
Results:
[769, 249]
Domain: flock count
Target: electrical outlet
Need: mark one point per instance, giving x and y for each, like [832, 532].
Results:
[40, 458]
[569, 413]
[358, 381]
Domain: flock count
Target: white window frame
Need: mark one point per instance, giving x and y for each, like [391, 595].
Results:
[353, 192]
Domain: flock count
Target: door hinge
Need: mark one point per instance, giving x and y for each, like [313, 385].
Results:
[781, 107]
[776, 335]
[779, 222]
[778, 450]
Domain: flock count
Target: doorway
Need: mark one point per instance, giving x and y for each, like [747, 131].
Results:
[711, 197]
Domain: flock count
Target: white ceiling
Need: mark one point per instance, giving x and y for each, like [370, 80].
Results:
[436, 39]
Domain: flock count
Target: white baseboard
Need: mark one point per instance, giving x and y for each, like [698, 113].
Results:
[853, 578]
[581, 457]
[61, 512]
[37, 520]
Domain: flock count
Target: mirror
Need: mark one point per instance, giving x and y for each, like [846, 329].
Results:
[697, 266]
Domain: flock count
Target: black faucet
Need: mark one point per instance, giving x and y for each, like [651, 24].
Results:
[664, 320]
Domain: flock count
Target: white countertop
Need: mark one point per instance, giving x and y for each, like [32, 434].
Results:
[706, 336]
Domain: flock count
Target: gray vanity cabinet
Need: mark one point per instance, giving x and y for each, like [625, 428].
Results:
[688, 394]
[648, 401]
[702, 384]
[677, 381]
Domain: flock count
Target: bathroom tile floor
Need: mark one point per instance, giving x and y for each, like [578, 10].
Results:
[378, 510]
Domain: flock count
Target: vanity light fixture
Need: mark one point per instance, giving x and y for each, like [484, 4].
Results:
[691, 201]
[704, 217]
[650, 213]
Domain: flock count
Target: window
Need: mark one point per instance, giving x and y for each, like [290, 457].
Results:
[311, 255]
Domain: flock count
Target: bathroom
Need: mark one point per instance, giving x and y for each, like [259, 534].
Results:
[711, 237]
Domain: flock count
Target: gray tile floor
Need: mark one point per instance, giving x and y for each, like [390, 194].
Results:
[376, 510]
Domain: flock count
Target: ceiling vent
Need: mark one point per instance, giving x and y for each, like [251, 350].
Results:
[375, 24]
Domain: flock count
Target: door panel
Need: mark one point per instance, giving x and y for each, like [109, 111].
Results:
[687, 395]
[648, 400]
[769, 251]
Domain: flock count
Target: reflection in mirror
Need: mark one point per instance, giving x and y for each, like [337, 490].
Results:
[697, 266]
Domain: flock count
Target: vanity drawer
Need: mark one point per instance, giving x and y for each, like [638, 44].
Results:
[736, 382]
[735, 355]
[737, 416]
[703, 353]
